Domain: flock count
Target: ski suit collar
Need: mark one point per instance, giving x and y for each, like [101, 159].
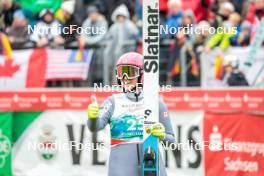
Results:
[134, 97]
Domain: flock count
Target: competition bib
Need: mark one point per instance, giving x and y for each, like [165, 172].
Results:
[127, 121]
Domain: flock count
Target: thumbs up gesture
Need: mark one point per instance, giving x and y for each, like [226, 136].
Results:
[93, 108]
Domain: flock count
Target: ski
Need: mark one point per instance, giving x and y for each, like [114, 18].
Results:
[256, 44]
[151, 85]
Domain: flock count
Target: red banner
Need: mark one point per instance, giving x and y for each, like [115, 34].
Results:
[233, 144]
[182, 99]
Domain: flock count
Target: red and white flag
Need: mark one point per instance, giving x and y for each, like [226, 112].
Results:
[32, 67]
[25, 69]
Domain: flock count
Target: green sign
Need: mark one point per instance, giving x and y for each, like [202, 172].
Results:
[5, 143]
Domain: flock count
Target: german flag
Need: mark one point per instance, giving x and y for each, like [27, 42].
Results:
[194, 67]
[176, 68]
[219, 67]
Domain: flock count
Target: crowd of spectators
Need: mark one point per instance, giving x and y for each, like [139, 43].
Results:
[117, 26]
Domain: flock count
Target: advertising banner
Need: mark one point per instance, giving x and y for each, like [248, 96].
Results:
[5, 143]
[59, 142]
[235, 145]
[216, 133]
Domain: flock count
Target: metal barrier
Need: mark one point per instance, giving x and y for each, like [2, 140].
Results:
[254, 74]
[105, 57]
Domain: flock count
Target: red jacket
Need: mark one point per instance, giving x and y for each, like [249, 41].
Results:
[163, 6]
[199, 8]
[252, 13]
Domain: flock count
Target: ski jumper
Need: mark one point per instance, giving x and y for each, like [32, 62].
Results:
[124, 112]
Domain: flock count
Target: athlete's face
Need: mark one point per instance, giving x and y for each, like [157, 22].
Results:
[128, 84]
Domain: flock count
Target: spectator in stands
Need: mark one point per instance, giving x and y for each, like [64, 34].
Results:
[107, 7]
[71, 22]
[123, 28]
[163, 10]
[180, 40]
[223, 36]
[175, 14]
[232, 75]
[47, 31]
[254, 16]
[138, 9]
[259, 4]
[225, 10]
[215, 6]
[255, 11]
[193, 51]
[240, 6]
[18, 33]
[121, 37]
[95, 27]
[202, 36]
[188, 21]
[9, 9]
[243, 37]
[200, 8]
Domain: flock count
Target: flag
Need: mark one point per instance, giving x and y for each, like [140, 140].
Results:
[68, 64]
[194, 67]
[31, 68]
[21, 69]
[7, 51]
[176, 68]
[218, 67]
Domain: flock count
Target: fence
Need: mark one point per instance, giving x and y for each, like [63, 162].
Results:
[254, 73]
[104, 58]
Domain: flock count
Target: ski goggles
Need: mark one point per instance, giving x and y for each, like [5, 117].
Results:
[129, 71]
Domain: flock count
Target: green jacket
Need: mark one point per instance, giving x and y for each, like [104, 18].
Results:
[221, 38]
